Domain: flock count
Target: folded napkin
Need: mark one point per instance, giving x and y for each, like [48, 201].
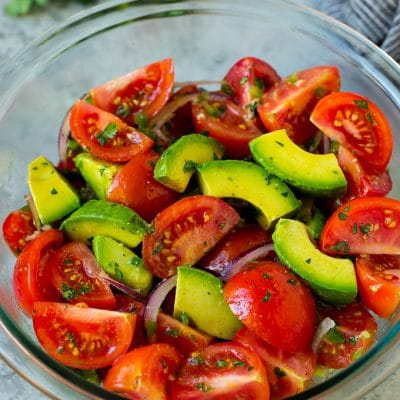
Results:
[379, 20]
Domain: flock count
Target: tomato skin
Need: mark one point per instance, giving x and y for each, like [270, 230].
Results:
[271, 301]
[77, 276]
[82, 337]
[378, 278]
[356, 332]
[230, 127]
[359, 125]
[88, 124]
[288, 373]
[16, 228]
[221, 371]
[288, 104]
[143, 373]
[135, 187]
[235, 244]
[363, 226]
[184, 231]
[145, 90]
[31, 279]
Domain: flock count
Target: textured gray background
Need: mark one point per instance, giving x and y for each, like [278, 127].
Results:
[15, 33]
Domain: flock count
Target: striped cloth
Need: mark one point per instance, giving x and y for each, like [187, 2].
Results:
[379, 20]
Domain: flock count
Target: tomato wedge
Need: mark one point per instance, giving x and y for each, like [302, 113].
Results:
[359, 125]
[31, 279]
[135, 187]
[352, 336]
[184, 231]
[378, 278]
[145, 90]
[17, 227]
[77, 276]
[367, 225]
[288, 104]
[287, 373]
[143, 373]
[219, 371]
[274, 303]
[82, 337]
[105, 135]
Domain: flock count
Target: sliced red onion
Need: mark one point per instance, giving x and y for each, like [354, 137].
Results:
[197, 83]
[129, 291]
[323, 328]
[325, 144]
[253, 255]
[156, 298]
[63, 136]
[34, 211]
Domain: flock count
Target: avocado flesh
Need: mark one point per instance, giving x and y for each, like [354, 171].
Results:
[247, 181]
[315, 174]
[332, 279]
[97, 173]
[53, 196]
[100, 217]
[122, 264]
[199, 295]
[178, 163]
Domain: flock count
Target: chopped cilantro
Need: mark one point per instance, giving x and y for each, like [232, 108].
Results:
[243, 80]
[198, 360]
[292, 79]
[365, 229]
[279, 373]
[221, 363]
[319, 92]
[334, 336]
[280, 143]
[266, 297]
[265, 275]
[353, 340]
[354, 229]
[369, 118]
[107, 134]
[184, 318]
[53, 191]
[341, 245]
[190, 166]
[308, 261]
[141, 121]
[362, 104]
[203, 387]
[239, 363]
[227, 89]
[172, 332]
[102, 170]
[123, 111]
[291, 281]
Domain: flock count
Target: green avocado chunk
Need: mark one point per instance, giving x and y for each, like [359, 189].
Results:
[53, 196]
[178, 162]
[315, 174]
[122, 264]
[100, 217]
[247, 181]
[199, 296]
[97, 173]
[332, 279]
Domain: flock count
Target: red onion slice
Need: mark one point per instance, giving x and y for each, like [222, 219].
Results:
[236, 266]
[34, 211]
[156, 298]
[323, 328]
[63, 136]
[197, 83]
[125, 289]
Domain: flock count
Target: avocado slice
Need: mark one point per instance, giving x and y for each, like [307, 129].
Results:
[199, 296]
[333, 279]
[100, 217]
[53, 196]
[247, 181]
[122, 264]
[178, 162]
[97, 173]
[315, 174]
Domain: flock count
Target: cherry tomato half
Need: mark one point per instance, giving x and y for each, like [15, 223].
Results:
[359, 125]
[105, 135]
[82, 337]
[184, 231]
[274, 303]
[367, 225]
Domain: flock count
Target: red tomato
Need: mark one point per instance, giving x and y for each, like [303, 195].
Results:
[185, 338]
[248, 78]
[288, 104]
[235, 244]
[104, 134]
[224, 121]
[77, 276]
[31, 278]
[82, 337]
[273, 302]
[135, 187]
[378, 278]
[287, 373]
[367, 225]
[221, 371]
[16, 228]
[143, 373]
[145, 90]
[185, 231]
[359, 125]
[353, 334]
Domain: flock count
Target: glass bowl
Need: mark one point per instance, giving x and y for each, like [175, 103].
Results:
[204, 38]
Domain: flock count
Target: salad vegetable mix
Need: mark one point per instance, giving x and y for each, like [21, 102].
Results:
[218, 243]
